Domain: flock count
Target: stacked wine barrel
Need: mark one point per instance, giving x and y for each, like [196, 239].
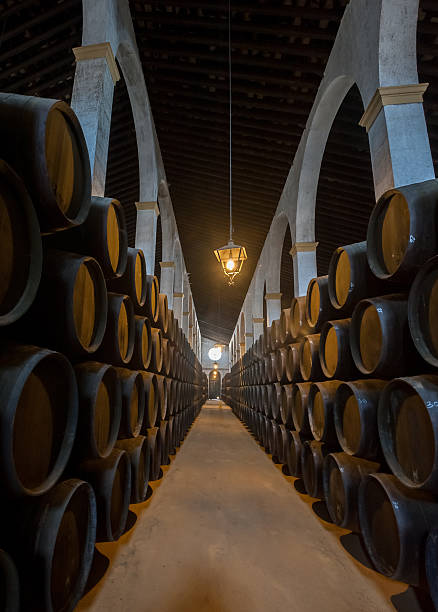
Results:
[343, 388]
[99, 384]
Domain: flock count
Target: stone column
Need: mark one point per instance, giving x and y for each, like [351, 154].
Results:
[178, 306]
[249, 339]
[273, 307]
[304, 264]
[92, 101]
[258, 327]
[146, 232]
[166, 282]
[397, 132]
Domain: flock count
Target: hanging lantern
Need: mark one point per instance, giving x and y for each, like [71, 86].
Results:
[231, 258]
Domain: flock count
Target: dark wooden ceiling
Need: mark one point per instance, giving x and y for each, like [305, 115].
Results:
[279, 51]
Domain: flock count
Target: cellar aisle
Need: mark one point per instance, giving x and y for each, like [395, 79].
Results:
[226, 531]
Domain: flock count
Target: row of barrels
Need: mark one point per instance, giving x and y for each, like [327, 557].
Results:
[343, 388]
[99, 383]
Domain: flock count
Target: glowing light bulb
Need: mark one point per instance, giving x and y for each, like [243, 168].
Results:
[230, 265]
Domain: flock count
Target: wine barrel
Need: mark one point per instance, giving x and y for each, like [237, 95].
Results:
[69, 312]
[133, 402]
[342, 476]
[51, 539]
[166, 356]
[111, 481]
[312, 462]
[276, 443]
[403, 230]
[318, 305]
[20, 247]
[38, 418]
[154, 444]
[102, 235]
[277, 401]
[293, 373]
[100, 409]
[141, 355]
[310, 365]
[379, 336]
[431, 561]
[394, 522]
[54, 162]
[138, 452]
[281, 371]
[286, 438]
[156, 363]
[151, 400]
[300, 416]
[295, 453]
[163, 313]
[171, 325]
[165, 443]
[133, 280]
[285, 328]
[150, 307]
[162, 398]
[422, 311]
[321, 405]
[118, 343]
[298, 322]
[286, 407]
[9, 584]
[334, 350]
[356, 417]
[408, 428]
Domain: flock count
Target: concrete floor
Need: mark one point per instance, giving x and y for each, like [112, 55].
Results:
[226, 531]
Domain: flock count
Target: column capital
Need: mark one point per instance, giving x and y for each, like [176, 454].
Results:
[258, 320]
[178, 295]
[186, 313]
[89, 52]
[148, 206]
[167, 264]
[300, 247]
[395, 94]
[273, 296]
[249, 335]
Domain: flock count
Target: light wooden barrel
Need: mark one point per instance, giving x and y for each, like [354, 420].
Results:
[133, 280]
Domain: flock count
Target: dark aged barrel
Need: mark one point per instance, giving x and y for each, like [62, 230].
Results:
[162, 398]
[38, 418]
[285, 330]
[54, 162]
[118, 343]
[310, 366]
[403, 230]
[154, 444]
[321, 405]
[432, 564]
[295, 454]
[165, 443]
[408, 428]
[111, 481]
[394, 522]
[281, 364]
[293, 373]
[312, 461]
[277, 401]
[20, 247]
[286, 438]
[156, 362]
[299, 324]
[423, 311]
[70, 308]
[318, 305]
[102, 235]
[133, 280]
[276, 443]
[150, 308]
[166, 356]
[163, 312]
[151, 400]
[287, 405]
[356, 417]
[133, 402]
[342, 476]
[9, 584]
[300, 393]
[334, 350]
[100, 405]
[141, 356]
[379, 336]
[350, 278]
[138, 452]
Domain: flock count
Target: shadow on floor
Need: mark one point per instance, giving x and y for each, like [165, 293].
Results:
[321, 511]
[98, 569]
[413, 600]
[130, 521]
[353, 544]
[299, 486]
